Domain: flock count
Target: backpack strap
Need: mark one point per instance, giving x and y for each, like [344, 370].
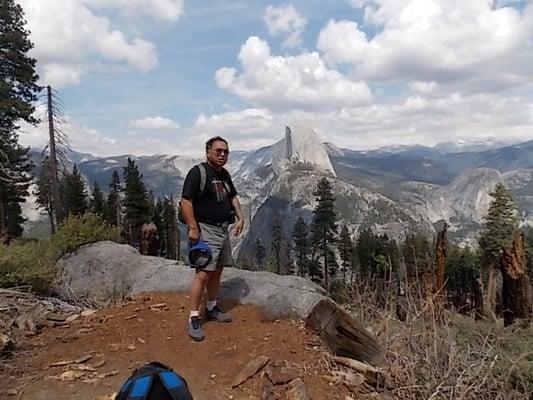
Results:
[175, 385]
[203, 178]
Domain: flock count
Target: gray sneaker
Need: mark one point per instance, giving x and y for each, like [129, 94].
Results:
[216, 314]
[195, 329]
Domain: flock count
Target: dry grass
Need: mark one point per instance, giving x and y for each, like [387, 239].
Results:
[454, 358]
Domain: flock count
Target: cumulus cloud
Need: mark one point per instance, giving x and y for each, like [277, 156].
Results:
[285, 20]
[248, 129]
[73, 37]
[154, 124]
[301, 81]
[448, 42]
[412, 120]
[86, 139]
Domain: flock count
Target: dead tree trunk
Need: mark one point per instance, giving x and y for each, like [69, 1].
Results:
[516, 287]
[54, 176]
[439, 293]
[149, 243]
[477, 292]
[491, 295]
[401, 301]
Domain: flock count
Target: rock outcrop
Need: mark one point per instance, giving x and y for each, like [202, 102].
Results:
[103, 272]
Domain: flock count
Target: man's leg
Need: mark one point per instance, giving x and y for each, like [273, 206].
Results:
[213, 283]
[198, 286]
[213, 311]
[197, 290]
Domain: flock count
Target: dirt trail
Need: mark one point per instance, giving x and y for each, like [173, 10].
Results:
[122, 337]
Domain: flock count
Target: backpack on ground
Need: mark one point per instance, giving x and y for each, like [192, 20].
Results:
[154, 381]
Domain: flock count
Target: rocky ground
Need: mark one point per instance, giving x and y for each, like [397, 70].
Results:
[88, 356]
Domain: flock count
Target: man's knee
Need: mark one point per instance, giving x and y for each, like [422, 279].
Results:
[203, 276]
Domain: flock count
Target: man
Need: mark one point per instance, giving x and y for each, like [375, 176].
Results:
[208, 212]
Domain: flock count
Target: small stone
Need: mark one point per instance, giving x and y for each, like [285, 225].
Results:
[71, 318]
[87, 313]
[213, 376]
[12, 392]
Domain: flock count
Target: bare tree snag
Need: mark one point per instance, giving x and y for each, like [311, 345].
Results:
[54, 176]
[516, 290]
[401, 300]
[477, 300]
[5, 237]
[435, 284]
[440, 278]
[149, 240]
[342, 333]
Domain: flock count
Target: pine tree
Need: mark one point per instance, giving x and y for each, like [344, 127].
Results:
[324, 227]
[170, 224]
[136, 207]
[418, 254]
[157, 219]
[275, 246]
[98, 201]
[18, 92]
[74, 195]
[366, 248]
[345, 247]
[501, 223]
[113, 203]
[300, 237]
[44, 192]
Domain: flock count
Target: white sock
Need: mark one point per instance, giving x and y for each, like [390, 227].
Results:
[194, 314]
[211, 305]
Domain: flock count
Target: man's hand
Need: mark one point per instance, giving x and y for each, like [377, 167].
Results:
[239, 226]
[194, 235]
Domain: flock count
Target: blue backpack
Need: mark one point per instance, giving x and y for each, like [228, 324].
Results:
[154, 381]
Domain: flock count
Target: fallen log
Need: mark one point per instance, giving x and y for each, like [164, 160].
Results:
[342, 333]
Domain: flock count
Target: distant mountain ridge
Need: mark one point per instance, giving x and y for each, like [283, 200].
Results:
[388, 190]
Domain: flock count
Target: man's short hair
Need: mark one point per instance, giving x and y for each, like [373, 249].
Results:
[209, 143]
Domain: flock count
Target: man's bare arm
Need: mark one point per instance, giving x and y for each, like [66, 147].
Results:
[239, 225]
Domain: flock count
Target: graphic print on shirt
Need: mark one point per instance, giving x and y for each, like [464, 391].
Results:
[220, 190]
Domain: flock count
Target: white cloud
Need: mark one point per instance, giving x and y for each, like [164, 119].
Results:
[154, 123]
[277, 82]
[436, 40]
[248, 129]
[412, 120]
[74, 37]
[88, 140]
[285, 20]
[164, 10]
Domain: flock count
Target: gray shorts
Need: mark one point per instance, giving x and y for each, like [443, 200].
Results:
[217, 238]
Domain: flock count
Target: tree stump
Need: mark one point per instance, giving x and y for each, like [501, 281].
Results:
[516, 290]
[343, 334]
[149, 240]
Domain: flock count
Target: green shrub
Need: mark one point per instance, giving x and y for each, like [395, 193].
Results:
[76, 231]
[33, 263]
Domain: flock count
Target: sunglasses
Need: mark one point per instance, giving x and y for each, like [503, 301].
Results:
[221, 151]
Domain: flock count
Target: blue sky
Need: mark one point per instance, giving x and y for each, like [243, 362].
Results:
[161, 76]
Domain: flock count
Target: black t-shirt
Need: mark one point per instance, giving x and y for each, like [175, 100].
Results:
[214, 205]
